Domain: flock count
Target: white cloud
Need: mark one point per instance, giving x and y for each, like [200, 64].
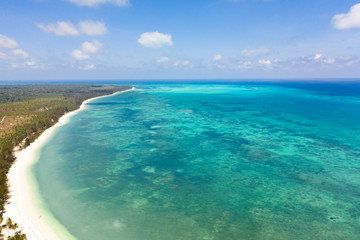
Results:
[88, 67]
[3, 56]
[222, 62]
[79, 55]
[347, 60]
[255, 52]
[94, 3]
[163, 59]
[91, 47]
[92, 28]
[265, 62]
[61, 28]
[243, 65]
[30, 63]
[348, 20]
[317, 56]
[329, 60]
[86, 49]
[21, 52]
[311, 62]
[324, 62]
[155, 39]
[6, 42]
[181, 63]
[186, 63]
[217, 57]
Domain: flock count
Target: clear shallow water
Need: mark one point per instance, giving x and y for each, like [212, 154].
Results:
[219, 162]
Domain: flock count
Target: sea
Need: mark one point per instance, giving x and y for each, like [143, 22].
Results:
[209, 161]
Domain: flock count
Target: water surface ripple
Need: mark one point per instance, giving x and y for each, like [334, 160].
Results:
[214, 162]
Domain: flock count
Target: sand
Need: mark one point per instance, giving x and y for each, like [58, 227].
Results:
[25, 206]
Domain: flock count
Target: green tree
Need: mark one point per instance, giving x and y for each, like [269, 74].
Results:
[9, 223]
[18, 236]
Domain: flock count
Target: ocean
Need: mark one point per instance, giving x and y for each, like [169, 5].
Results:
[209, 161]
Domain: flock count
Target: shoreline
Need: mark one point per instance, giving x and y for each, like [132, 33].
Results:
[25, 205]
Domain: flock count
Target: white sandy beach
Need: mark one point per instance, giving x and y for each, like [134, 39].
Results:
[25, 207]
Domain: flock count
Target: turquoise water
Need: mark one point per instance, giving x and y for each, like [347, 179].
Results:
[214, 162]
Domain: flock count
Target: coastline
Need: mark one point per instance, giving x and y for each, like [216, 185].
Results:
[25, 206]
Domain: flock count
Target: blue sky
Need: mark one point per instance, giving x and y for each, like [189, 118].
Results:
[145, 39]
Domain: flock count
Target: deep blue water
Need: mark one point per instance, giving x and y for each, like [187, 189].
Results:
[209, 161]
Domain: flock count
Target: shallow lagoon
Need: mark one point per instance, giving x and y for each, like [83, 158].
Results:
[208, 161]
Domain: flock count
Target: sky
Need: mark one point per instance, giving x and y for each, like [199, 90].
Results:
[179, 39]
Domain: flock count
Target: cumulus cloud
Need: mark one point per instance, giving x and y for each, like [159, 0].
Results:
[91, 47]
[14, 57]
[347, 60]
[88, 67]
[155, 39]
[244, 65]
[317, 56]
[224, 62]
[20, 52]
[92, 28]
[30, 63]
[86, 49]
[254, 52]
[95, 3]
[63, 28]
[79, 55]
[217, 57]
[60, 28]
[348, 20]
[6, 42]
[266, 63]
[318, 59]
[242, 62]
[309, 63]
[163, 59]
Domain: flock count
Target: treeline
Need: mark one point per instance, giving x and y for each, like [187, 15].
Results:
[41, 106]
[21, 93]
